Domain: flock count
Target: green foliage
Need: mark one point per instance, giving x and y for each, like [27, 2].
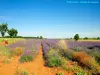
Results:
[76, 68]
[25, 73]
[81, 73]
[86, 38]
[54, 61]
[69, 56]
[76, 37]
[60, 73]
[97, 57]
[78, 49]
[26, 58]
[98, 38]
[95, 53]
[21, 72]
[3, 29]
[41, 37]
[4, 50]
[12, 32]
[37, 37]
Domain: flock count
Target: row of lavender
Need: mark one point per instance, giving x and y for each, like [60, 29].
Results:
[73, 44]
[29, 45]
[67, 47]
[47, 43]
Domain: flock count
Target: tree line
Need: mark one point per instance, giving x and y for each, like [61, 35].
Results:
[76, 37]
[12, 32]
[4, 29]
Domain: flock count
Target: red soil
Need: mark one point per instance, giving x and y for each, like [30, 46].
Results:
[35, 67]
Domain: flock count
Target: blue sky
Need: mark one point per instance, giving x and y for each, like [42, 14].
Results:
[52, 18]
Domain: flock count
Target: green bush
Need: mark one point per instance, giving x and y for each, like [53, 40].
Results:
[21, 72]
[53, 58]
[25, 73]
[60, 73]
[54, 61]
[78, 49]
[26, 58]
[96, 54]
[81, 73]
[69, 54]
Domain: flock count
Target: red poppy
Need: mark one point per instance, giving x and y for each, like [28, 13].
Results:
[6, 42]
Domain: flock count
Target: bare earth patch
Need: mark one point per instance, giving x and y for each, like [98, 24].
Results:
[35, 67]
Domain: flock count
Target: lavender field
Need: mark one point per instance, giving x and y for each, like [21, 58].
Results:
[85, 55]
[76, 51]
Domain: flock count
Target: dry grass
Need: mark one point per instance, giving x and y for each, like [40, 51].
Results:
[86, 60]
[62, 44]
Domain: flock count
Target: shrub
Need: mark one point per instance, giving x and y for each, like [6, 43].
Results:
[69, 55]
[60, 73]
[96, 54]
[54, 58]
[12, 54]
[81, 73]
[26, 58]
[21, 72]
[18, 51]
[54, 61]
[86, 38]
[4, 50]
[76, 68]
[78, 49]
[87, 61]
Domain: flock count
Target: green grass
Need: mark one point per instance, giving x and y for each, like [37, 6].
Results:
[26, 58]
[21, 72]
[54, 59]
[81, 73]
[11, 40]
[60, 73]
[4, 50]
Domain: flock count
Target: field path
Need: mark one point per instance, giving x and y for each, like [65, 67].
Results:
[37, 66]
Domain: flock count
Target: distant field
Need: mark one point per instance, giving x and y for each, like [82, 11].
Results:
[90, 40]
[11, 40]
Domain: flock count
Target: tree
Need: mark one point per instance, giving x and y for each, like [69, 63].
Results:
[37, 37]
[3, 29]
[85, 38]
[41, 37]
[98, 38]
[76, 37]
[12, 32]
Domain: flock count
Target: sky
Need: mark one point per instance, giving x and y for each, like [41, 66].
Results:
[52, 18]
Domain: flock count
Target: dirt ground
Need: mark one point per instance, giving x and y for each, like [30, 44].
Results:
[36, 67]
